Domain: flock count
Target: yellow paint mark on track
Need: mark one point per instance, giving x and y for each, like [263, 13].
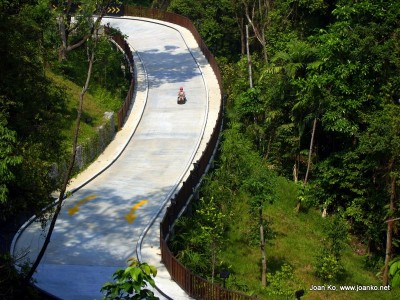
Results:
[74, 209]
[130, 217]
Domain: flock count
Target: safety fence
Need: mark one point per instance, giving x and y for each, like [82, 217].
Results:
[194, 285]
[120, 41]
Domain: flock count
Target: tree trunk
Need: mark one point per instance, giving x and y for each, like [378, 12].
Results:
[63, 35]
[68, 173]
[241, 26]
[388, 253]
[249, 57]
[259, 28]
[213, 261]
[389, 232]
[298, 206]
[264, 258]
[324, 212]
[296, 169]
[296, 179]
[268, 147]
[310, 150]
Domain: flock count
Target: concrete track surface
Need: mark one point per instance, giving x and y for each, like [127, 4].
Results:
[100, 224]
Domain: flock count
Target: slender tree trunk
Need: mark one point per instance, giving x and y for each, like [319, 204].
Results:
[261, 13]
[249, 57]
[296, 169]
[325, 211]
[67, 175]
[240, 23]
[388, 253]
[213, 261]
[309, 160]
[268, 147]
[63, 36]
[310, 150]
[263, 256]
[389, 232]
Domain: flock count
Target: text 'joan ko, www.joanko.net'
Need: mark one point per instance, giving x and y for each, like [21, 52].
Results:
[356, 288]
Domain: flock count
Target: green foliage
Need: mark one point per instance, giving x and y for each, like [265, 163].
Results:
[260, 189]
[197, 262]
[336, 230]
[198, 240]
[34, 107]
[381, 141]
[7, 157]
[211, 219]
[131, 282]
[215, 23]
[336, 63]
[249, 106]
[145, 3]
[185, 8]
[329, 266]
[237, 157]
[281, 282]
[260, 186]
[108, 98]
[94, 107]
[108, 77]
[94, 145]
[12, 285]
[342, 73]
[394, 272]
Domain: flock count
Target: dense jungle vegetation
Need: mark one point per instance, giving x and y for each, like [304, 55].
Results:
[41, 81]
[305, 187]
[39, 93]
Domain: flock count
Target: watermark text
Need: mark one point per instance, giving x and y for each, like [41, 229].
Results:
[356, 288]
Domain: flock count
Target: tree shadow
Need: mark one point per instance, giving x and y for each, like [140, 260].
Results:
[275, 263]
[171, 65]
[97, 232]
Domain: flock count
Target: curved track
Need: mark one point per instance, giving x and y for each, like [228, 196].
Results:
[100, 224]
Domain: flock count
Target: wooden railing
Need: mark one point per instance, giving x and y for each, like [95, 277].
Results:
[195, 286]
[118, 39]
